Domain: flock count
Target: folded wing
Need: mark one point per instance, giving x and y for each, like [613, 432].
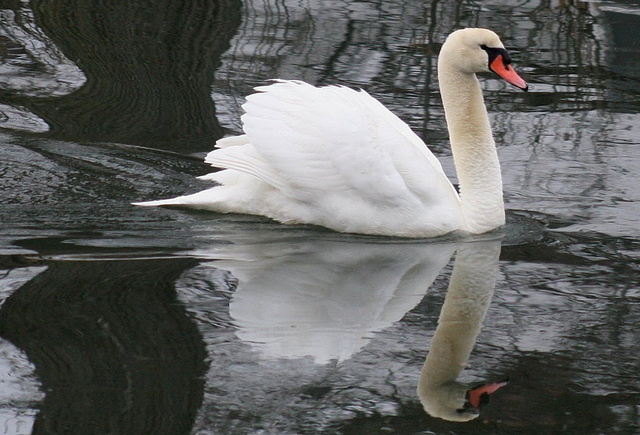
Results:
[332, 144]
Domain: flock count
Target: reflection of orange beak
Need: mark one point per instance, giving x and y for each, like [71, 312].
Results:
[505, 71]
[480, 395]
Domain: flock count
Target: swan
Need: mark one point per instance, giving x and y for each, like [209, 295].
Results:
[336, 157]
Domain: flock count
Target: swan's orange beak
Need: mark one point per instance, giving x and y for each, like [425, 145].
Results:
[504, 70]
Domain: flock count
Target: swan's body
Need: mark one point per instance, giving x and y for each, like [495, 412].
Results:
[336, 157]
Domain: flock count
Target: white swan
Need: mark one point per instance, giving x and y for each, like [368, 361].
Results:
[336, 157]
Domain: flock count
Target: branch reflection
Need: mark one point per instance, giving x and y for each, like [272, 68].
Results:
[149, 68]
[113, 351]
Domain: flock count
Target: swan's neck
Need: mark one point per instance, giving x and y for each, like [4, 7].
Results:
[474, 152]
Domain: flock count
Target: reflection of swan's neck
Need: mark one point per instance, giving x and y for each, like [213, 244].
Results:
[473, 147]
[468, 297]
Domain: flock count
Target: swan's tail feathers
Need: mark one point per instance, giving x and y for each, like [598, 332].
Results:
[236, 192]
[232, 141]
[203, 199]
[159, 203]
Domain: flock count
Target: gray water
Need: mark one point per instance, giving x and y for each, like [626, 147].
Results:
[117, 319]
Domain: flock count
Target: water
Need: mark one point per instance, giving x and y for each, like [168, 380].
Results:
[116, 319]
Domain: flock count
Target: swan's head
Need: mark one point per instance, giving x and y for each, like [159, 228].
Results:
[479, 50]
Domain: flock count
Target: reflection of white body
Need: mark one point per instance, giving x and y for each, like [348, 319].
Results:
[336, 157]
[324, 298]
[470, 290]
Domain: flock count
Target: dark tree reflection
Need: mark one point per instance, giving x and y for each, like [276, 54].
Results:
[148, 66]
[114, 351]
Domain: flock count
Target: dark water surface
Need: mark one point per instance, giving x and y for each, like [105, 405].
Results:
[116, 319]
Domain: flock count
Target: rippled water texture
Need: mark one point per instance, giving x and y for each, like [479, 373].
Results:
[117, 319]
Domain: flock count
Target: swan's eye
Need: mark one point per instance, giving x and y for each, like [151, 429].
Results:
[494, 52]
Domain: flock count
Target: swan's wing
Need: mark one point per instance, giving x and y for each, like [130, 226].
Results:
[308, 142]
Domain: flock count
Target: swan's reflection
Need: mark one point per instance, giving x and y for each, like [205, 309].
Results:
[323, 298]
[470, 290]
